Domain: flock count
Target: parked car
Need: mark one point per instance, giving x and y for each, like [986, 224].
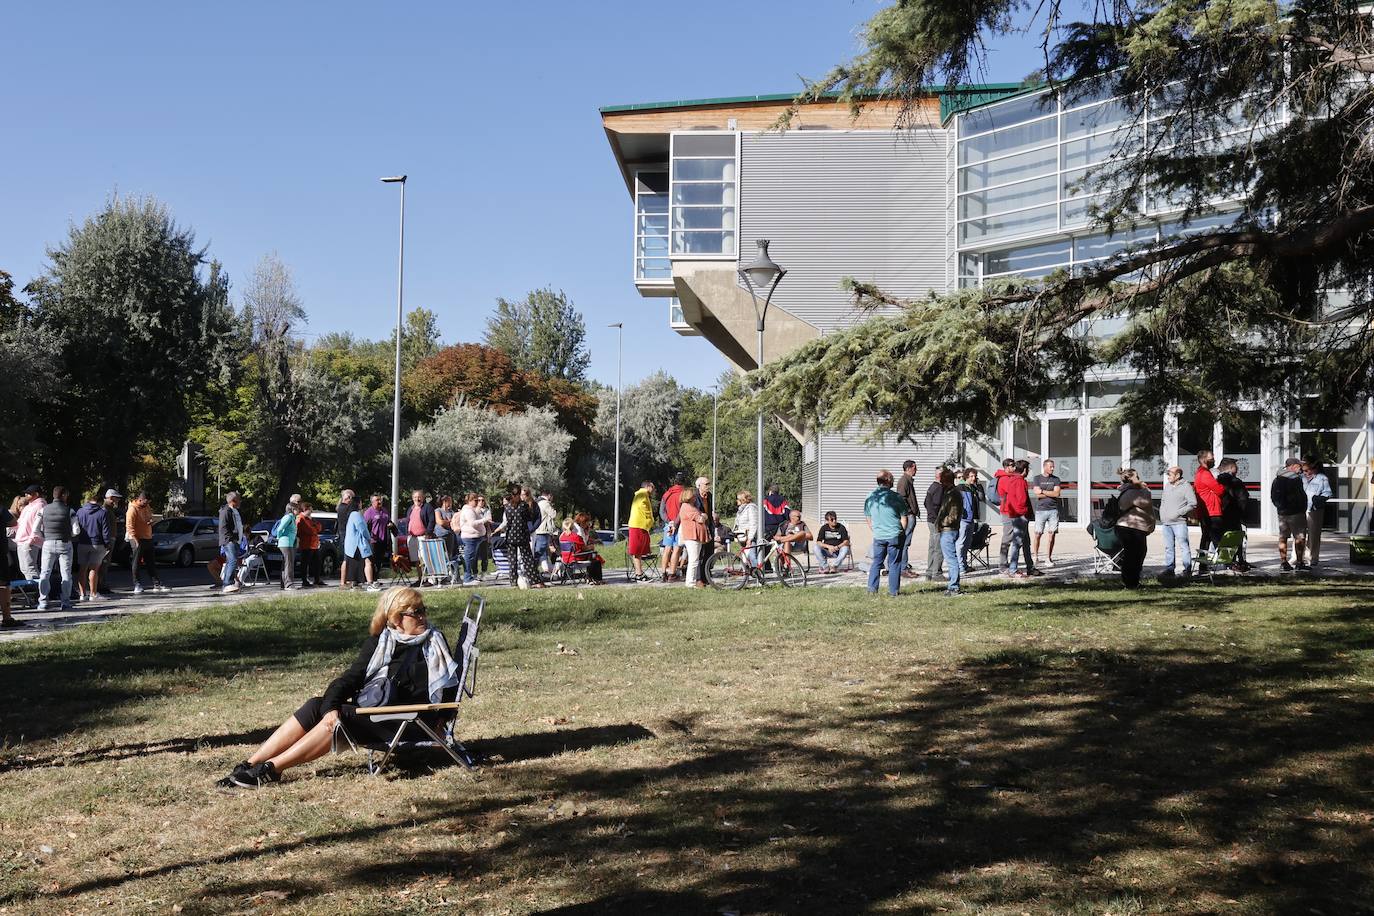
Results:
[329, 545]
[185, 541]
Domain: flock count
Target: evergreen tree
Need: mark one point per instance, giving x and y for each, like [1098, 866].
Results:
[1215, 314]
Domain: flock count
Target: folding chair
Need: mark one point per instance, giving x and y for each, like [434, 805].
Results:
[253, 567]
[438, 566]
[648, 562]
[1107, 550]
[978, 546]
[25, 590]
[571, 566]
[400, 562]
[444, 735]
[1223, 554]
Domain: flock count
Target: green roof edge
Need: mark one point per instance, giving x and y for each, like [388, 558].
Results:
[1005, 89]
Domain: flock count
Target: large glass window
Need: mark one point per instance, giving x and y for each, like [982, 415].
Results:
[651, 227]
[1008, 197]
[1025, 257]
[1097, 118]
[1005, 113]
[1011, 140]
[1024, 222]
[999, 171]
[703, 216]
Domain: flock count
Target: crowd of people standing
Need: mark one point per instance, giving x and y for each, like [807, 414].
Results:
[1215, 501]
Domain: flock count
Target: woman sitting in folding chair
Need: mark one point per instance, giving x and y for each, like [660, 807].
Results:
[402, 650]
[573, 547]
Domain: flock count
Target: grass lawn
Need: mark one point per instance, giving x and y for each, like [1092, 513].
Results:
[1024, 750]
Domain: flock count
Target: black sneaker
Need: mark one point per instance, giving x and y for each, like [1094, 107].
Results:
[238, 770]
[1304, 567]
[255, 776]
[1286, 566]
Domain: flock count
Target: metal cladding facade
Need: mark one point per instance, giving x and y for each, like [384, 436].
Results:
[863, 204]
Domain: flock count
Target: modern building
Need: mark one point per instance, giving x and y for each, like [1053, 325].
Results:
[980, 183]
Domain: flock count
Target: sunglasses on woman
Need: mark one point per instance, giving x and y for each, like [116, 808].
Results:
[418, 614]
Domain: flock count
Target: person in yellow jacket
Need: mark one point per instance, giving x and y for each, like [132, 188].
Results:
[641, 522]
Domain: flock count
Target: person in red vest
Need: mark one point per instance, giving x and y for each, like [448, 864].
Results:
[1209, 499]
[671, 545]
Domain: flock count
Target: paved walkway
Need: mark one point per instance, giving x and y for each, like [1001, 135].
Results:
[1073, 561]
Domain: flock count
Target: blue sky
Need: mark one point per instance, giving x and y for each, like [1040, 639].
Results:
[266, 126]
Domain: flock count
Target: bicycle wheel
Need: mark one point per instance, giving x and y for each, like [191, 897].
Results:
[788, 571]
[724, 570]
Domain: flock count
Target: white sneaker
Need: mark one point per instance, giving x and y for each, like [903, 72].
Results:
[230, 590]
[1049, 562]
[374, 586]
[138, 589]
[161, 589]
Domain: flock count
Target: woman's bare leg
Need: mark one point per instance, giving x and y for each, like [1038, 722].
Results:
[287, 734]
[314, 744]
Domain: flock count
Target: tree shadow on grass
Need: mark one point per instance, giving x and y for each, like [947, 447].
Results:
[135, 749]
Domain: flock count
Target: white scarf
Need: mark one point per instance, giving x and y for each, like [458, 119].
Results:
[443, 670]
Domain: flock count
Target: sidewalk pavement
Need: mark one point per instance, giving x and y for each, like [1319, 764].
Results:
[1072, 562]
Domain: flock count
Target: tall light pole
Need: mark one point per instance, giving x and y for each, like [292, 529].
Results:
[619, 352]
[761, 273]
[715, 424]
[396, 415]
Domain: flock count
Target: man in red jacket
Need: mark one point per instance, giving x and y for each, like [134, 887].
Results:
[1209, 499]
[1016, 513]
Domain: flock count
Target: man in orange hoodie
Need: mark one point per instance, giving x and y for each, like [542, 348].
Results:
[1209, 499]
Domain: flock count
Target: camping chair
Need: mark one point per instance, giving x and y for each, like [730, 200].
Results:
[438, 566]
[571, 565]
[1107, 549]
[1225, 553]
[648, 561]
[253, 566]
[978, 546]
[443, 736]
[400, 562]
[25, 590]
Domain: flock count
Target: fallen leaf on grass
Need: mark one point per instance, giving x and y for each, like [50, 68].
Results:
[892, 777]
[554, 720]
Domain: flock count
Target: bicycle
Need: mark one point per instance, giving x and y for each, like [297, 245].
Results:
[735, 570]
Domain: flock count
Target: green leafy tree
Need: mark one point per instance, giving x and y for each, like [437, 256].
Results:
[1214, 315]
[541, 333]
[126, 315]
[473, 448]
[31, 384]
[288, 418]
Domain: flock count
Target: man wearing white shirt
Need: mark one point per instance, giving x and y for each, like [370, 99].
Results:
[1318, 489]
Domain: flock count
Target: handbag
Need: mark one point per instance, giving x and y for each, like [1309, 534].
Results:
[377, 692]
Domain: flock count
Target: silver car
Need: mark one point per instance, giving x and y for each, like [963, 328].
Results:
[185, 541]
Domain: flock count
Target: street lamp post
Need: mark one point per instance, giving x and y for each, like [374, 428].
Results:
[715, 424]
[396, 400]
[619, 353]
[761, 273]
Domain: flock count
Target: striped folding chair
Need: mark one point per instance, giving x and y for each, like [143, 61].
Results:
[438, 565]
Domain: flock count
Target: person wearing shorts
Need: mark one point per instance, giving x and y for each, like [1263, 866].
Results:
[1047, 489]
[92, 544]
[641, 521]
[1290, 504]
